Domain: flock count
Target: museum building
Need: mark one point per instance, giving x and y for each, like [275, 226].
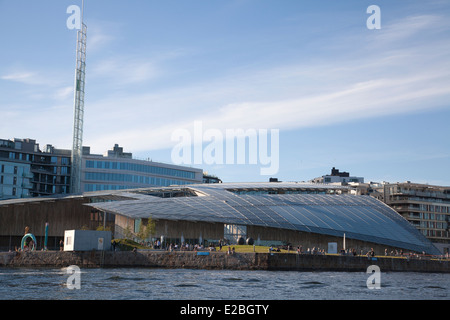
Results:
[274, 213]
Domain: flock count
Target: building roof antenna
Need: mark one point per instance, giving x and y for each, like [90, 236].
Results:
[80, 73]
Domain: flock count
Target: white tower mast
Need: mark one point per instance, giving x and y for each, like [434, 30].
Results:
[77, 146]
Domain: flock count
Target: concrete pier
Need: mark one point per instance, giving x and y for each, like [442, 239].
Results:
[218, 260]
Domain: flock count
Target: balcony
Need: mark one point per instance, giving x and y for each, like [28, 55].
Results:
[48, 170]
[28, 175]
[423, 194]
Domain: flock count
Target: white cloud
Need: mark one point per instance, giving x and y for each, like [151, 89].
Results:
[388, 81]
[23, 77]
[98, 39]
[409, 28]
[64, 93]
[124, 71]
[390, 76]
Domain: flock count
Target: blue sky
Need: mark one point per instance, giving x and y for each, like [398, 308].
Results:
[374, 103]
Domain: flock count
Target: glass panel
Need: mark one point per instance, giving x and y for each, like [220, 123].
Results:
[233, 232]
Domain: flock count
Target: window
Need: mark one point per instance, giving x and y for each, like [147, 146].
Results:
[137, 225]
[233, 232]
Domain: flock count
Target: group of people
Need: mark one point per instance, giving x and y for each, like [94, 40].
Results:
[353, 252]
[344, 252]
[313, 250]
[189, 247]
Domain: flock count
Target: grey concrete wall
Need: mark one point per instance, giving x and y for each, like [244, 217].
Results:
[217, 260]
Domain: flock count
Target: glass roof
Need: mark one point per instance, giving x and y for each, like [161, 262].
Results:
[359, 217]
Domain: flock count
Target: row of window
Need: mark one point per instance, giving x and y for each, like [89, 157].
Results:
[52, 169]
[65, 161]
[101, 187]
[426, 207]
[345, 180]
[428, 216]
[9, 180]
[124, 177]
[145, 168]
[13, 169]
[430, 224]
[435, 233]
[431, 198]
[7, 192]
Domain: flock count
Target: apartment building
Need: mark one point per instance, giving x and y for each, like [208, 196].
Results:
[427, 207]
[28, 171]
[117, 170]
[337, 177]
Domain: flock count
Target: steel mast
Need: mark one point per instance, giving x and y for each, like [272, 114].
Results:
[80, 72]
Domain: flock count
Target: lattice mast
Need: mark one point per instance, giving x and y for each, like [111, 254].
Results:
[77, 146]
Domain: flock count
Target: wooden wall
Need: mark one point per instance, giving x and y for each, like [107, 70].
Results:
[62, 214]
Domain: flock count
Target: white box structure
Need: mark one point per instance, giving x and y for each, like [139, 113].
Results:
[332, 247]
[87, 240]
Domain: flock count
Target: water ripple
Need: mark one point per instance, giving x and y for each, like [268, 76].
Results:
[152, 284]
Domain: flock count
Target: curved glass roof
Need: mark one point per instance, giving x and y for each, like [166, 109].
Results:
[305, 207]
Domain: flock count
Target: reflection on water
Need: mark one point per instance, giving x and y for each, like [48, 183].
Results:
[181, 284]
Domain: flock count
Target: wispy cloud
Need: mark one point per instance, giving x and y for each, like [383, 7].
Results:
[124, 71]
[51, 78]
[402, 68]
[411, 27]
[22, 77]
[98, 37]
[64, 93]
[393, 79]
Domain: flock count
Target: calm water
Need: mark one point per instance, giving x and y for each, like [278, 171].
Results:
[181, 284]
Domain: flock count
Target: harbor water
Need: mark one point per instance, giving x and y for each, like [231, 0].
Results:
[190, 284]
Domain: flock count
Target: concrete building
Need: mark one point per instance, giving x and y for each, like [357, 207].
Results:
[29, 171]
[118, 170]
[209, 178]
[426, 207]
[15, 179]
[33, 172]
[337, 177]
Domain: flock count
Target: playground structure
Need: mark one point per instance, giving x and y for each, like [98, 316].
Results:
[31, 245]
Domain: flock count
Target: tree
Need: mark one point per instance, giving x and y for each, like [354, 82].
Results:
[102, 228]
[145, 231]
